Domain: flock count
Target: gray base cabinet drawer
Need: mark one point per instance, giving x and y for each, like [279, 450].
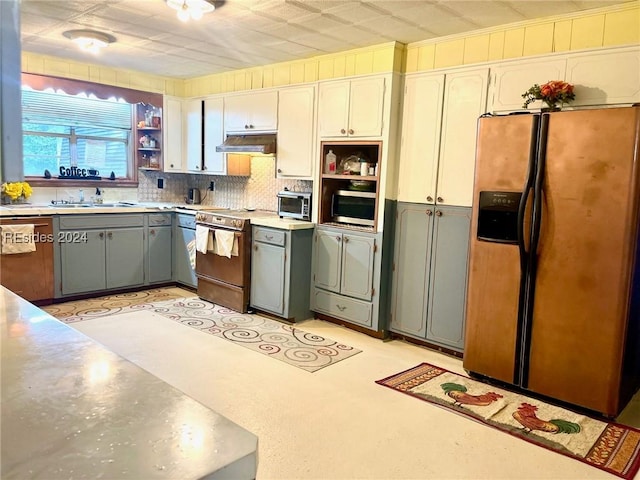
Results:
[348, 309]
[269, 235]
[156, 219]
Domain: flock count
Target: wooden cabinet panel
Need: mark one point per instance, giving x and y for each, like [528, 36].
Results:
[172, 132]
[356, 279]
[411, 267]
[193, 135]
[249, 112]
[214, 162]
[605, 78]
[184, 273]
[511, 80]
[268, 277]
[296, 114]
[327, 260]
[333, 109]
[124, 257]
[83, 262]
[159, 253]
[30, 275]
[465, 100]
[421, 123]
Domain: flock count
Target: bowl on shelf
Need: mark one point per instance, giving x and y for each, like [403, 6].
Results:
[362, 185]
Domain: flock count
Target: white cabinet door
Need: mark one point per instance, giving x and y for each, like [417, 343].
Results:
[605, 78]
[193, 135]
[251, 112]
[295, 132]
[465, 99]
[333, 109]
[214, 162]
[172, 132]
[422, 112]
[510, 81]
[366, 103]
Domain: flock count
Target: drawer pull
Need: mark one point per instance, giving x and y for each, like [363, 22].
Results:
[110, 234]
[101, 234]
[341, 308]
[269, 237]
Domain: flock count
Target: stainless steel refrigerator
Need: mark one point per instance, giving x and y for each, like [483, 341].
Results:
[553, 298]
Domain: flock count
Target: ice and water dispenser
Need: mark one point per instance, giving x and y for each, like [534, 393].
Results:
[498, 216]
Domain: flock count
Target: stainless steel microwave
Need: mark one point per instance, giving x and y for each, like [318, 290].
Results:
[294, 205]
[358, 208]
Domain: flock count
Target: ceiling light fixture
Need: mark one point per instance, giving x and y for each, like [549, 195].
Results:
[89, 40]
[191, 8]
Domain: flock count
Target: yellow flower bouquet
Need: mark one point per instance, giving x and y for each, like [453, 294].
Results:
[16, 190]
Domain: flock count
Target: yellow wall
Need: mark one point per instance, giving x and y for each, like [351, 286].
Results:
[59, 67]
[606, 27]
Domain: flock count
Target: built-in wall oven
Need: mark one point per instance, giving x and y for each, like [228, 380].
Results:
[225, 280]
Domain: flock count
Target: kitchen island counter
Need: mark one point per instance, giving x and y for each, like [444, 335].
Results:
[72, 408]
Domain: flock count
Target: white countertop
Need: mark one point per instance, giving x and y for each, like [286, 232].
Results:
[261, 218]
[73, 409]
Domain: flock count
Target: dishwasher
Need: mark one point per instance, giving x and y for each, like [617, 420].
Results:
[184, 241]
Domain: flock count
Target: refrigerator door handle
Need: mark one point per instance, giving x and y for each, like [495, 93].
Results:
[528, 187]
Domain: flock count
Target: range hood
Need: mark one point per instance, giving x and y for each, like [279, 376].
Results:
[258, 143]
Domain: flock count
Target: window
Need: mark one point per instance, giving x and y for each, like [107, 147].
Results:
[62, 131]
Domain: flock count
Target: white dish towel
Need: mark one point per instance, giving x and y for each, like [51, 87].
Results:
[226, 243]
[204, 239]
[17, 239]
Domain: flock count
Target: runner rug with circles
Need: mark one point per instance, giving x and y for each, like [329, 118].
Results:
[276, 339]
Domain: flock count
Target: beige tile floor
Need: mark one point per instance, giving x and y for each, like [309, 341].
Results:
[335, 423]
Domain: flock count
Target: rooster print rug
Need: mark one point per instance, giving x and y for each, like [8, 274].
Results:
[611, 447]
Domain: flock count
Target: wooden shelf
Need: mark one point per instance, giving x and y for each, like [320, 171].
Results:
[148, 149]
[371, 178]
[149, 129]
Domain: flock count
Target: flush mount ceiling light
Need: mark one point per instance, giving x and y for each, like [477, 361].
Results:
[89, 40]
[191, 8]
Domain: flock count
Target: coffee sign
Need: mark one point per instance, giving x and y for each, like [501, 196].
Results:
[78, 173]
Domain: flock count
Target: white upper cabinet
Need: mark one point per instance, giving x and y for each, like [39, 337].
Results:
[214, 162]
[605, 77]
[172, 132]
[295, 150]
[511, 80]
[465, 99]
[251, 112]
[421, 115]
[193, 135]
[437, 155]
[351, 108]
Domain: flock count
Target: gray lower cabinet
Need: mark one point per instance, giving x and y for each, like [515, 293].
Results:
[346, 269]
[430, 273]
[100, 252]
[184, 234]
[159, 247]
[281, 271]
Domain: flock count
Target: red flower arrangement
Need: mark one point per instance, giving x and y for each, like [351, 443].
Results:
[551, 93]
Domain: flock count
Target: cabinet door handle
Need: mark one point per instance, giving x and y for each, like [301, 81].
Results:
[351, 131]
[338, 238]
[110, 234]
[246, 127]
[171, 165]
[429, 213]
[279, 170]
[440, 199]
[346, 239]
[204, 167]
[438, 213]
[101, 234]
[340, 307]
[255, 247]
[429, 198]
[152, 232]
[342, 130]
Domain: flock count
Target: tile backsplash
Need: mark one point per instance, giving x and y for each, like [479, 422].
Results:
[257, 191]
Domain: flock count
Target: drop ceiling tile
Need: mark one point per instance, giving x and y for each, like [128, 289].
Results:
[541, 8]
[499, 13]
[319, 22]
[283, 10]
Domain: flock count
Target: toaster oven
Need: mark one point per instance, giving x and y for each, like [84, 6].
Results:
[294, 205]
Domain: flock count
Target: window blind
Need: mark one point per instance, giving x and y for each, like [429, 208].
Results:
[60, 109]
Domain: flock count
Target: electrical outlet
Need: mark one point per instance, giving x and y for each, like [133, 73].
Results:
[211, 186]
[161, 183]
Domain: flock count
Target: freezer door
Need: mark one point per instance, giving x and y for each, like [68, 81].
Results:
[502, 157]
[586, 250]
